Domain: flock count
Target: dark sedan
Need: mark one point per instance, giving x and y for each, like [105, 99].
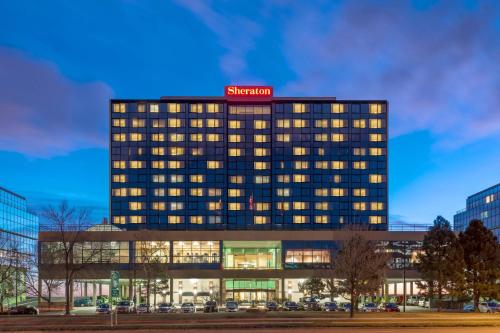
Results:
[23, 310]
[210, 306]
[390, 307]
[290, 306]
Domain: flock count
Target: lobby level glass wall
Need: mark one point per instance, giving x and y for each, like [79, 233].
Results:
[252, 255]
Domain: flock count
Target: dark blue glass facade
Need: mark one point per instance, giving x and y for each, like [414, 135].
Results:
[206, 163]
[484, 206]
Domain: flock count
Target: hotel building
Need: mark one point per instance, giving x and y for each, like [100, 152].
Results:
[243, 196]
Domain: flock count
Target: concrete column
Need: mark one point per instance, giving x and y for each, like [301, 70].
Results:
[411, 288]
[386, 287]
[100, 288]
[283, 289]
[130, 289]
[94, 294]
[85, 292]
[171, 290]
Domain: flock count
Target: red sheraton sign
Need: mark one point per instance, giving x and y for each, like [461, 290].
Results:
[248, 93]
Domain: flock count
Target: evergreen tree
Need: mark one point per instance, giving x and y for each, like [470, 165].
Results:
[482, 261]
[312, 287]
[441, 262]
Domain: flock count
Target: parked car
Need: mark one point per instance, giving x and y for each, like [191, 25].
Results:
[188, 308]
[244, 305]
[165, 308]
[427, 303]
[290, 306]
[312, 305]
[412, 300]
[84, 301]
[421, 301]
[125, 306]
[345, 307]
[468, 308]
[23, 310]
[272, 306]
[143, 308]
[390, 307]
[102, 308]
[488, 307]
[370, 307]
[330, 306]
[210, 306]
[231, 306]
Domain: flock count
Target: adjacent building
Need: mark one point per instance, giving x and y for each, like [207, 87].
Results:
[241, 196]
[18, 240]
[484, 206]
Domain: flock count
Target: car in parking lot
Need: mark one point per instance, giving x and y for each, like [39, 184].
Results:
[421, 301]
[370, 307]
[468, 308]
[244, 305]
[272, 306]
[143, 308]
[488, 307]
[412, 300]
[188, 307]
[210, 306]
[345, 307]
[330, 306]
[23, 310]
[102, 308]
[166, 308]
[84, 301]
[125, 306]
[231, 306]
[389, 307]
[290, 306]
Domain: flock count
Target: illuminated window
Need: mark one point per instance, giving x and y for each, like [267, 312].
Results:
[262, 206]
[174, 219]
[261, 152]
[120, 192]
[375, 137]
[196, 192]
[214, 192]
[213, 108]
[359, 205]
[136, 137]
[375, 108]
[301, 165]
[158, 178]
[300, 178]
[235, 124]
[158, 151]
[489, 198]
[214, 164]
[262, 179]
[321, 219]
[359, 192]
[376, 151]
[283, 137]
[213, 123]
[337, 165]
[299, 123]
[120, 137]
[175, 164]
[119, 165]
[283, 178]
[196, 219]
[196, 108]
[375, 123]
[321, 151]
[137, 219]
[154, 108]
[173, 108]
[135, 205]
[119, 107]
[176, 151]
[174, 192]
[236, 179]
[300, 205]
[359, 123]
[299, 151]
[196, 123]
[176, 205]
[196, 137]
[260, 124]
[119, 122]
[359, 165]
[136, 192]
[158, 123]
[283, 192]
[261, 219]
[321, 192]
[337, 137]
[197, 151]
[196, 178]
[119, 178]
[375, 220]
[176, 137]
[234, 206]
[159, 192]
[213, 137]
[299, 108]
[158, 164]
[376, 205]
[234, 138]
[337, 108]
[176, 178]
[337, 178]
[375, 179]
[338, 192]
[261, 165]
[300, 219]
[283, 123]
[174, 123]
[157, 137]
[234, 192]
[321, 137]
[283, 205]
[235, 152]
[321, 123]
[337, 123]
[137, 164]
[119, 219]
[321, 205]
[158, 205]
[359, 151]
[321, 164]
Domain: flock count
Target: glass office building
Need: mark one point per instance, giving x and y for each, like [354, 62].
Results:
[484, 206]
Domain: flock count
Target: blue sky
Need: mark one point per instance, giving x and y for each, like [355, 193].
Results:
[436, 62]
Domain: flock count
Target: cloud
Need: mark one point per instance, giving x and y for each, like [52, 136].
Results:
[43, 113]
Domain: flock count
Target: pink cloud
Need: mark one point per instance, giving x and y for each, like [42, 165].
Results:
[43, 113]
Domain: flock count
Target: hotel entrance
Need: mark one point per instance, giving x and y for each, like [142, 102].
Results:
[251, 290]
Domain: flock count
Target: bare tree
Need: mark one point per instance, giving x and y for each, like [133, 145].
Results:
[360, 265]
[73, 252]
[10, 268]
